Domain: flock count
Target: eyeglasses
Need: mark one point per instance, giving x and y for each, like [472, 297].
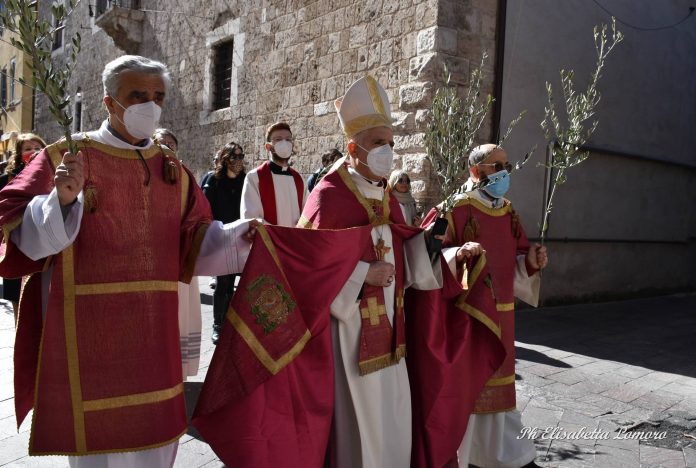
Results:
[498, 166]
[237, 157]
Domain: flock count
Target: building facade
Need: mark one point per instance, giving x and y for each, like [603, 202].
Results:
[238, 66]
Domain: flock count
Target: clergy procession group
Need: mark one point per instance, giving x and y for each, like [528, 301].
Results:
[352, 338]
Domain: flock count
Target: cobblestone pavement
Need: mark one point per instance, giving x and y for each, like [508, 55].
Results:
[590, 379]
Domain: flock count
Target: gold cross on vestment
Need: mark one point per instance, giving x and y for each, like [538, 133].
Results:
[373, 311]
[381, 250]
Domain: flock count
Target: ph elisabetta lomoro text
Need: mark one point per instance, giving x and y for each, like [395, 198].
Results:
[583, 433]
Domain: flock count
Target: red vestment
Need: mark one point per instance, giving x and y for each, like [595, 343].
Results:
[103, 370]
[500, 233]
[267, 400]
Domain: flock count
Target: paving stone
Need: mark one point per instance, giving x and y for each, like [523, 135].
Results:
[569, 377]
[681, 389]
[689, 457]
[579, 406]
[614, 457]
[658, 401]
[14, 448]
[543, 370]
[664, 376]
[626, 393]
[661, 457]
[535, 380]
[558, 354]
[633, 372]
[600, 367]
[564, 390]
[533, 347]
[541, 418]
[606, 404]
[568, 454]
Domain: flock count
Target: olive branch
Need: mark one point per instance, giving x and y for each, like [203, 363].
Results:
[567, 141]
[453, 128]
[35, 37]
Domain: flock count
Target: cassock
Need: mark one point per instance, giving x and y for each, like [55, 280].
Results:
[273, 193]
[97, 349]
[491, 437]
[372, 413]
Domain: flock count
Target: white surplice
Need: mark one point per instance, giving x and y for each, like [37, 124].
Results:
[46, 229]
[288, 213]
[372, 414]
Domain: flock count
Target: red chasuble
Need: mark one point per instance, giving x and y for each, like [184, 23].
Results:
[267, 400]
[454, 348]
[103, 371]
[500, 233]
[337, 203]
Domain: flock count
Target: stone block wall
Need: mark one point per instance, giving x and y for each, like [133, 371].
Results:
[292, 59]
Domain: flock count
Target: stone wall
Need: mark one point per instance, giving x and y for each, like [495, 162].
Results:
[292, 59]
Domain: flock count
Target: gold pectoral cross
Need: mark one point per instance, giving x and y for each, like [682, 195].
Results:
[381, 250]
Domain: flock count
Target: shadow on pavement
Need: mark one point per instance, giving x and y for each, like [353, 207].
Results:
[655, 333]
[540, 358]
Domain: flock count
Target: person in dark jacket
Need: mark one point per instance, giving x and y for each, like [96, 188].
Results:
[224, 192]
[28, 145]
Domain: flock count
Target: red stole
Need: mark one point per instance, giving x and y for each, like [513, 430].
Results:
[267, 191]
[103, 372]
[501, 234]
[338, 204]
[267, 399]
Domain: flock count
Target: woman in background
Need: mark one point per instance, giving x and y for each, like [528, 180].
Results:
[28, 145]
[400, 188]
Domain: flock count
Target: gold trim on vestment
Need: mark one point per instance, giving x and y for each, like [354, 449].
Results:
[261, 231]
[502, 211]
[372, 216]
[185, 182]
[373, 89]
[505, 307]
[125, 287]
[71, 348]
[473, 276]
[478, 315]
[501, 381]
[272, 365]
[86, 143]
[495, 411]
[304, 223]
[124, 450]
[7, 230]
[134, 400]
[54, 155]
[364, 122]
[381, 362]
[190, 262]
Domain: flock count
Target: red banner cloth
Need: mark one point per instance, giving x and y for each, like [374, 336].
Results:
[267, 400]
[451, 355]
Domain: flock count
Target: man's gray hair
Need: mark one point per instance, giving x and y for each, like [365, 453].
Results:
[134, 63]
[480, 153]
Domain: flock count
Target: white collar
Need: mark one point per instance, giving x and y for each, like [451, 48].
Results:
[103, 135]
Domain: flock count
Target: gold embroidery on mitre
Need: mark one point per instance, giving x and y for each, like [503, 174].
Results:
[270, 303]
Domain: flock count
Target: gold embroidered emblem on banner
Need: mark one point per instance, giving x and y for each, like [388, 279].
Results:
[270, 302]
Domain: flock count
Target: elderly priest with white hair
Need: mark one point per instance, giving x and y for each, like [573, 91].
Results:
[104, 235]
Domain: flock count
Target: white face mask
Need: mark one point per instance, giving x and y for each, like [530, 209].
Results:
[380, 160]
[141, 120]
[283, 149]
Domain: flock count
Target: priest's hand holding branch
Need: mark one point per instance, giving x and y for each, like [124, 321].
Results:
[536, 257]
[69, 178]
[468, 250]
[380, 274]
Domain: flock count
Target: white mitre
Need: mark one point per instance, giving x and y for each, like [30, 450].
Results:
[365, 105]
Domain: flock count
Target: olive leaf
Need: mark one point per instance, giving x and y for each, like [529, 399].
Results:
[35, 37]
[567, 139]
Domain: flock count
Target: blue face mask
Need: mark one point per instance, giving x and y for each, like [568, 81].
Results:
[498, 184]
